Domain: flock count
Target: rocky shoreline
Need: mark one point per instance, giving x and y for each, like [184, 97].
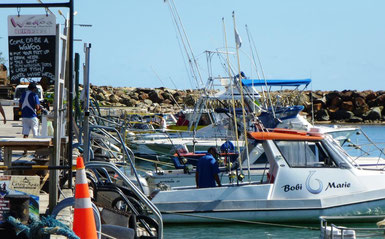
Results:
[348, 106]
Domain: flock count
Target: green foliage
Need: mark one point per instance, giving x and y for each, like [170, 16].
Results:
[49, 97]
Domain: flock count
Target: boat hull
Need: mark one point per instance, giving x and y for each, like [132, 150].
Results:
[273, 214]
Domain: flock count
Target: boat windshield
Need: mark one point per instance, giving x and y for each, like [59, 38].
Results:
[307, 154]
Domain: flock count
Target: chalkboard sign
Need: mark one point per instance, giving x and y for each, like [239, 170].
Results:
[32, 45]
[32, 57]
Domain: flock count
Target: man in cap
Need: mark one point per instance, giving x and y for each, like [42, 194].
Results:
[29, 104]
[207, 170]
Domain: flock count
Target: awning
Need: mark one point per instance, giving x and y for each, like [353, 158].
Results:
[275, 82]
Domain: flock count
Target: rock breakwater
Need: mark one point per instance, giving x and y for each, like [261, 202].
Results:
[346, 106]
[146, 100]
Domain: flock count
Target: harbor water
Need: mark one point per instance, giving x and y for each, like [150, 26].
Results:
[237, 230]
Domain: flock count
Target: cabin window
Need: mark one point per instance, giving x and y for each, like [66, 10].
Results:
[305, 154]
[205, 119]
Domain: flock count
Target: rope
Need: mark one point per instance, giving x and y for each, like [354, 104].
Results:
[242, 221]
[46, 226]
[155, 161]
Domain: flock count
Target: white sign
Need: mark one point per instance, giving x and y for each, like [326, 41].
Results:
[31, 25]
[27, 184]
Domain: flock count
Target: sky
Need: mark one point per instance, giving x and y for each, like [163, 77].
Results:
[134, 43]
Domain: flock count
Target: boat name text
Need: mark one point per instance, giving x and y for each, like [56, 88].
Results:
[338, 185]
[298, 187]
[287, 188]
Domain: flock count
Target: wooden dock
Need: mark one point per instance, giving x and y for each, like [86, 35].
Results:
[12, 145]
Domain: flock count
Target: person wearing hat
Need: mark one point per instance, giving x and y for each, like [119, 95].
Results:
[207, 170]
[29, 104]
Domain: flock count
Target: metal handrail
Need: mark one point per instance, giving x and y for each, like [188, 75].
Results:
[138, 193]
[126, 150]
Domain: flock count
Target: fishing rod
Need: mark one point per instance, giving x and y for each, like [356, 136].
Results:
[186, 43]
[157, 76]
[254, 62]
[232, 99]
[252, 43]
[238, 44]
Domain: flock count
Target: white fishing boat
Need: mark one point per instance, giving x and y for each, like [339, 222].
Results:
[185, 161]
[309, 175]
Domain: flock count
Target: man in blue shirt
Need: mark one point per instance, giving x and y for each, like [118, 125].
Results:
[29, 104]
[207, 170]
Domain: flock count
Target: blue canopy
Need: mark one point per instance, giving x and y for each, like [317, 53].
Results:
[275, 82]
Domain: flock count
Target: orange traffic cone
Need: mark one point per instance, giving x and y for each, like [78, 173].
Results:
[84, 221]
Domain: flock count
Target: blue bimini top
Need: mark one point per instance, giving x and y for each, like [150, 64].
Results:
[275, 82]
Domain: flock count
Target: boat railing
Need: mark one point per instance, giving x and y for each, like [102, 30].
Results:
[365, 152]
[128, 153]
[143, 198]
[109, 122]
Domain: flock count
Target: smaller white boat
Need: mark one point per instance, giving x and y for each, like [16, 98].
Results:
[352, 227]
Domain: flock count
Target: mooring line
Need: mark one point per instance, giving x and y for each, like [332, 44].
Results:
[243, 221]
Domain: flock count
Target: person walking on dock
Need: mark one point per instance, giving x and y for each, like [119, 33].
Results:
[207, 170]
[29, 104]
[3, 114]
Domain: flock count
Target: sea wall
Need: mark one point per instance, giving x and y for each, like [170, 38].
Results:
[146, 100]
[347, 106]
[328, 106]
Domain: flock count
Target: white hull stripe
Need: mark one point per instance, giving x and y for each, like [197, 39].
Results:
[83, 203]
[81, 176]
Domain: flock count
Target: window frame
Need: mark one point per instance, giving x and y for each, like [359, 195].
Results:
[327, 162]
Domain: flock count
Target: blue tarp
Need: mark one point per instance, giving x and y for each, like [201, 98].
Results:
[275, 82]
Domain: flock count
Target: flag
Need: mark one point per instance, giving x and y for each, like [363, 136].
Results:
[238, 40]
